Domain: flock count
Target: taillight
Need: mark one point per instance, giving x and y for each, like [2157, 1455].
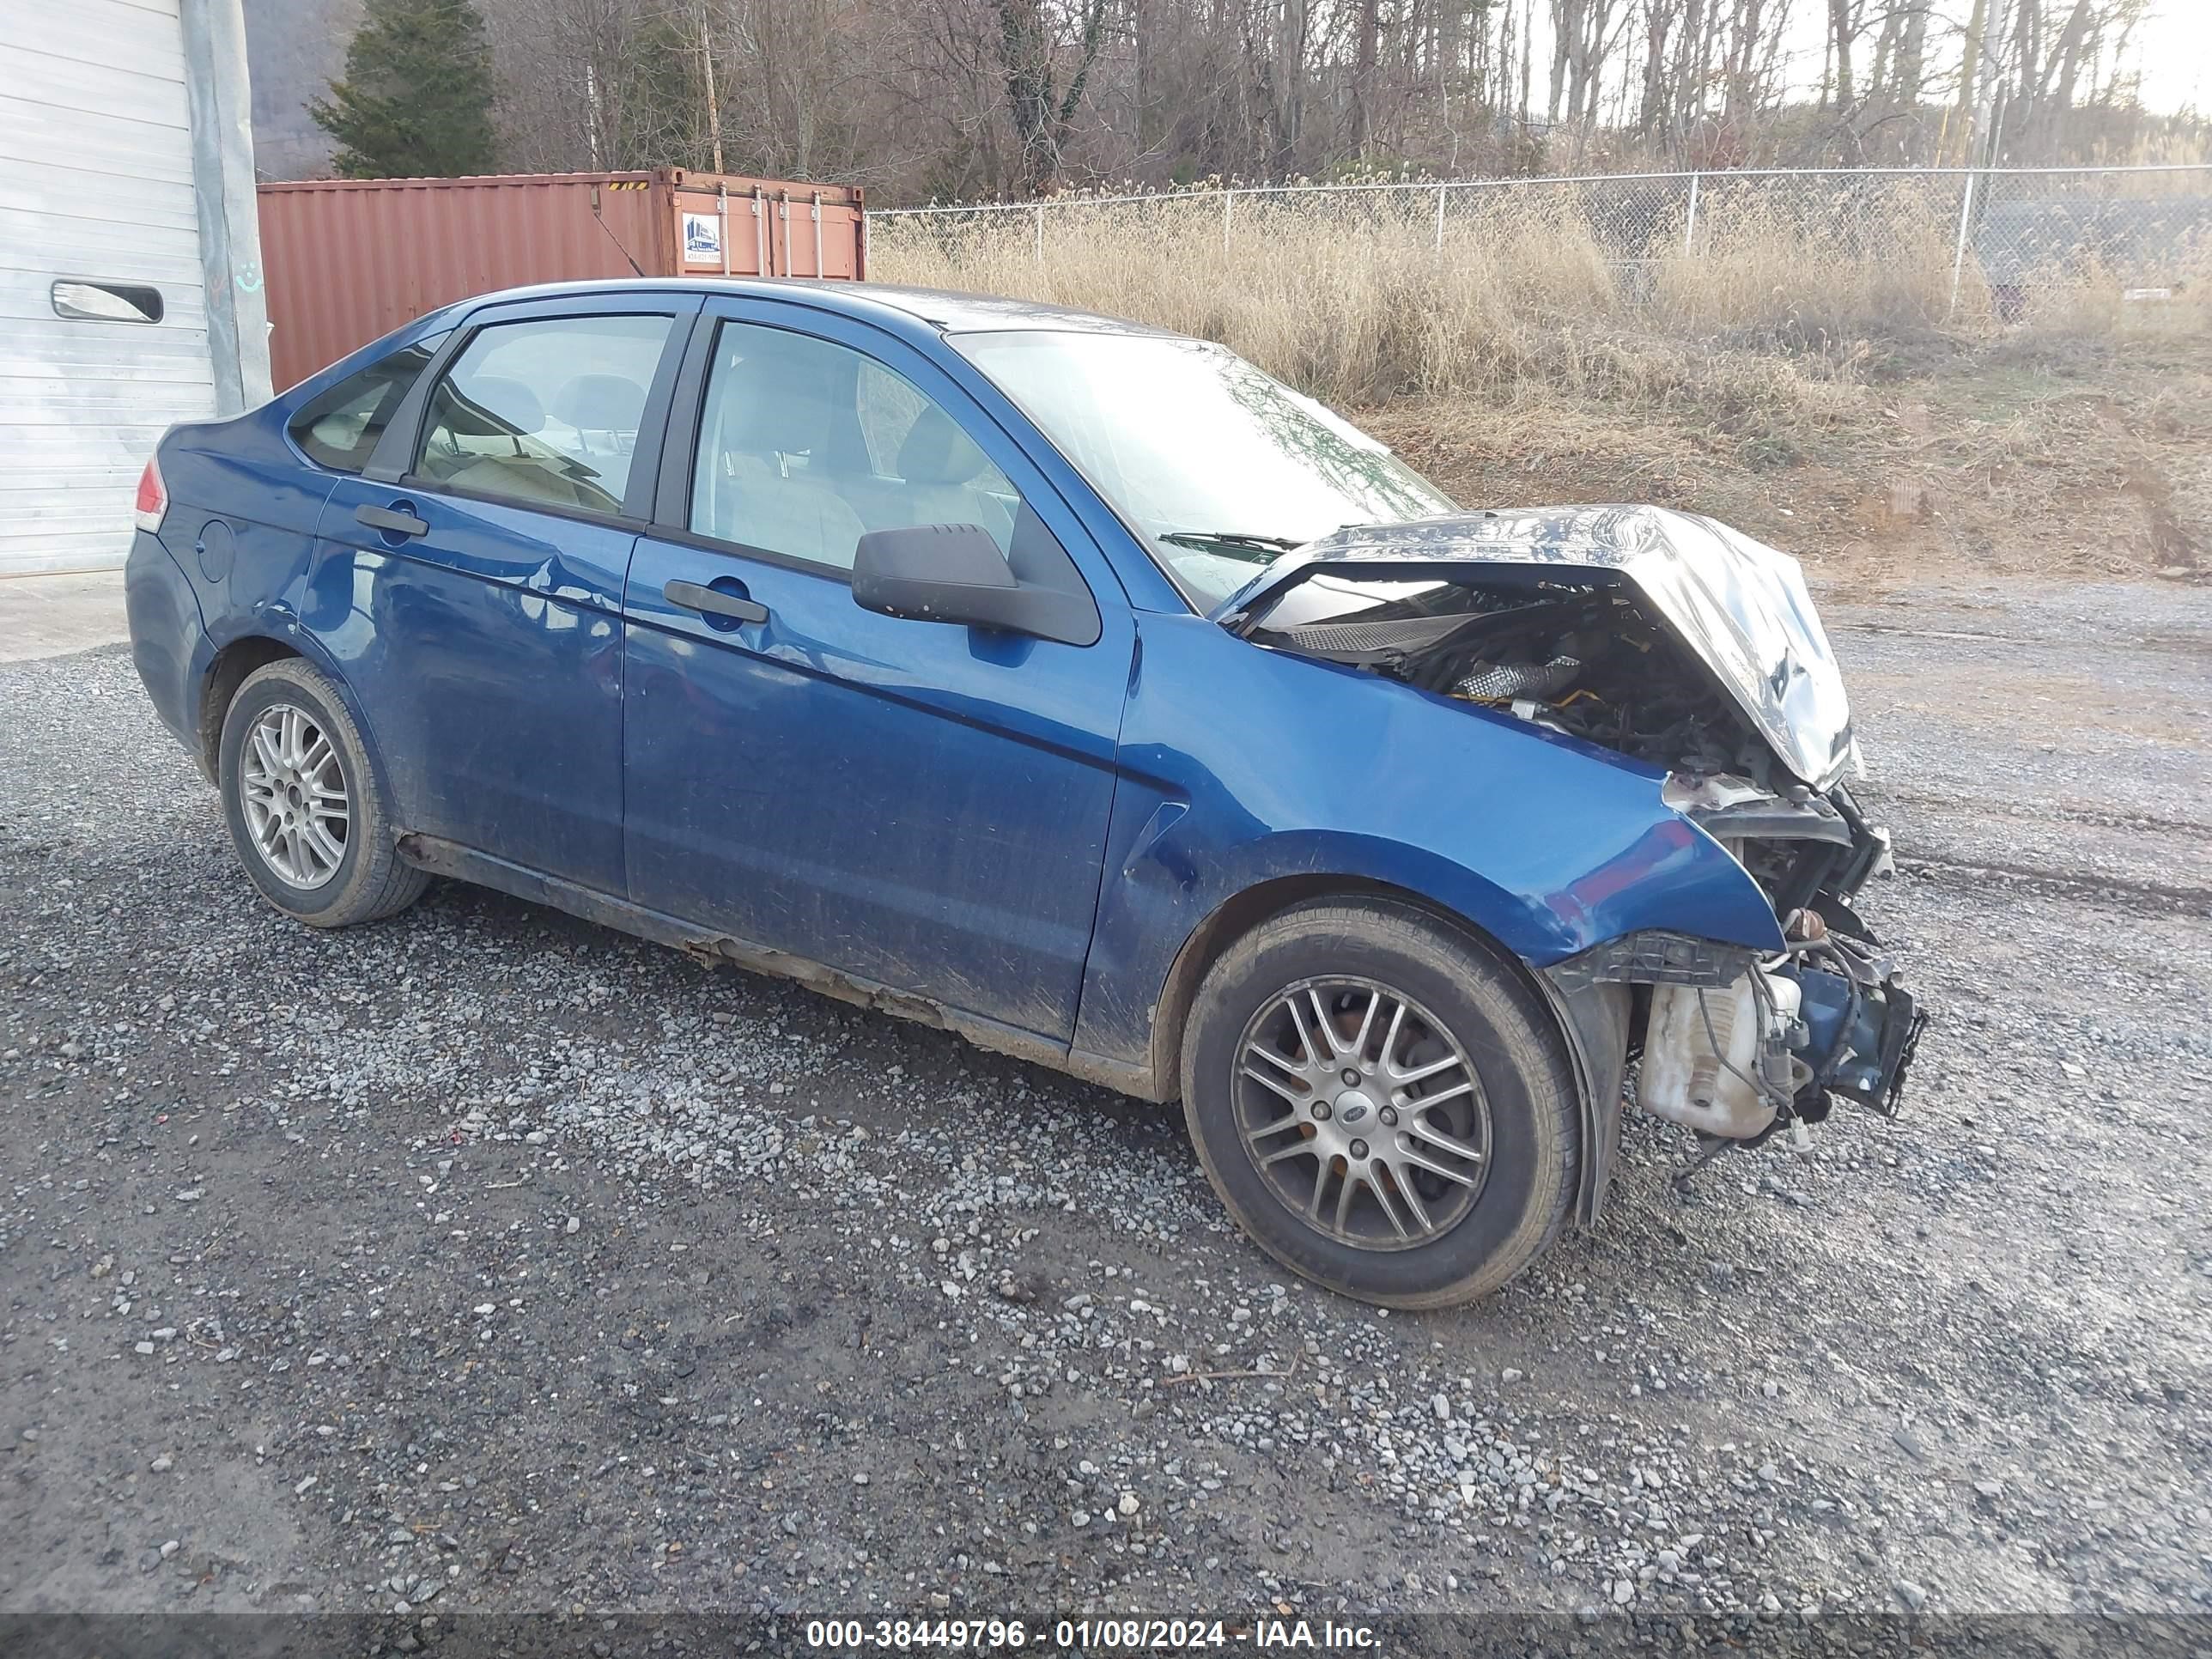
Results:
[153, 497]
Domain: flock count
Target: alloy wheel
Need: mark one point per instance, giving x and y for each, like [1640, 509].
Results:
[294, 795]
[1363, 1112]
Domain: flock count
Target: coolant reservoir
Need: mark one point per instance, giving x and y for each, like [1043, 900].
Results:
[1683, 1080]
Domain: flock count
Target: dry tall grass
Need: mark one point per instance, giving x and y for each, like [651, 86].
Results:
[1354, 300]
[1792, 373]
[1766, 326]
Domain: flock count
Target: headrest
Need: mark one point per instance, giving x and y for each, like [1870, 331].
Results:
[513, 401]
[770, 405]
[601, 403]
[937, 451]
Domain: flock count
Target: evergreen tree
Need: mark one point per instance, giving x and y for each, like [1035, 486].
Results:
[416, 98]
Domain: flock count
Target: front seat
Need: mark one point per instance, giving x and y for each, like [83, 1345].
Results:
[939, 464]
[765, 491]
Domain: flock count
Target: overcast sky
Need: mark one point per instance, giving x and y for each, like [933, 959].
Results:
[2173, 51]
[2177, 51]
[2170, 51]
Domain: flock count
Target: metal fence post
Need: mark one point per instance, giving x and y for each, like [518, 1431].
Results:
[1228, 208]
[1039, 211]
[1440, 216]
[1690, 232]
[1958, 258]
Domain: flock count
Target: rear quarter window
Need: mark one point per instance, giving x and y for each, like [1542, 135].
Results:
[338, 428]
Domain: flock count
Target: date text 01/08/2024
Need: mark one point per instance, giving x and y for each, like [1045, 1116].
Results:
[1086, 1635]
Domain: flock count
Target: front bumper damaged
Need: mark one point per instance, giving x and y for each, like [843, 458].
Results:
[1736, 1044]
[1686, 648]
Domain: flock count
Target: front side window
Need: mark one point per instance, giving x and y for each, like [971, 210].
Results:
[544, 412]
[805, 446]
[338, 428]
[1220, 467]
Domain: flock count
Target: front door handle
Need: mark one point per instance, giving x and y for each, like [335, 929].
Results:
[393, 520]
[712, 603]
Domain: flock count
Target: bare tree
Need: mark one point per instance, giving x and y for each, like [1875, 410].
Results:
[1042, 96]
[958, 99]
[1844, 22]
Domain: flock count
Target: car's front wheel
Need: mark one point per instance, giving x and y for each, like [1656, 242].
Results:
[306, 815]
[1384, 1106]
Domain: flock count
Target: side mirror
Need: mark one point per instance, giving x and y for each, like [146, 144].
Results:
[954, 572]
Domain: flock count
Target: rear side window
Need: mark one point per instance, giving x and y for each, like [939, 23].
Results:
[340, 426]
[544, 412]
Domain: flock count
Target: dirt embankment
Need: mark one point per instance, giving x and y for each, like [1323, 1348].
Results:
[2069, 459]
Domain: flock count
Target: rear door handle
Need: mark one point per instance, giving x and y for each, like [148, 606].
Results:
[710, 602]
[392, 519]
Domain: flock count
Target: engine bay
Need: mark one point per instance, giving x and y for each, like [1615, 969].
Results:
[1581, 658]
[1733, 1045]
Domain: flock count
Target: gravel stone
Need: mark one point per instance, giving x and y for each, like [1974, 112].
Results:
[806, 1220]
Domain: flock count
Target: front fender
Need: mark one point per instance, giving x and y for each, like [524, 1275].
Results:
[1244, 768]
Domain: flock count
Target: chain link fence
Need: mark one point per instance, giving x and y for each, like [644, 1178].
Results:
[2005, 232]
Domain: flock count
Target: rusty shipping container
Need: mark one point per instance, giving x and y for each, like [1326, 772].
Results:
[348, 260]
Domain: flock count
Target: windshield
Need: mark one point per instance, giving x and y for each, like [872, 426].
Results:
[1220, 467]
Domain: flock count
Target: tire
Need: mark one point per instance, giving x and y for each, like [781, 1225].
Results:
[351, 872]
[1450, 1240]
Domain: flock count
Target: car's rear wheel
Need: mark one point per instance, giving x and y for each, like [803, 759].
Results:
[1383, 1105]
[310, 824]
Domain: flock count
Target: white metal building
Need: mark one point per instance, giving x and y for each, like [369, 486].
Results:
[130, 261]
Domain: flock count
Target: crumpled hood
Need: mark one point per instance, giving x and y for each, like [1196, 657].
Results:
[1738, 605]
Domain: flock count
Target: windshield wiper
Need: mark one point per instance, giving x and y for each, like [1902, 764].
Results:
[1239, 543]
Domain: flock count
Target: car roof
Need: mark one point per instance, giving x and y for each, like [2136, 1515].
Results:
[946, 310]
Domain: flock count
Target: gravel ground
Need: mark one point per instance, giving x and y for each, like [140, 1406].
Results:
[487, 1260]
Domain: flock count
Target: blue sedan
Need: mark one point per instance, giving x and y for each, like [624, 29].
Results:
[1066, 683]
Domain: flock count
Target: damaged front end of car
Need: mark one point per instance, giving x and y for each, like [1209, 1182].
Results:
[1688, 648]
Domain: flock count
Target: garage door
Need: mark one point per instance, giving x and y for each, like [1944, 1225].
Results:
[103, 326]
